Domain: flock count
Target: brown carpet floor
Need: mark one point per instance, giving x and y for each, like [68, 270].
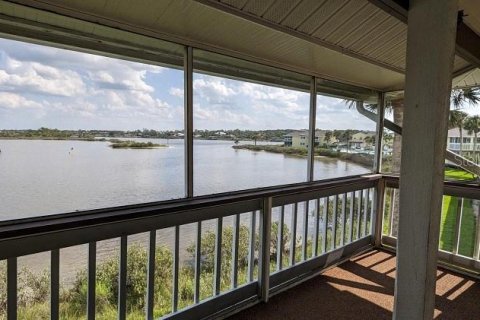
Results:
[362, 288]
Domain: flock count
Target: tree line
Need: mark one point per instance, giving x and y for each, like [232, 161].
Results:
[221, 134]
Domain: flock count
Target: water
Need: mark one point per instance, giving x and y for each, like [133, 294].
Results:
[40, 177]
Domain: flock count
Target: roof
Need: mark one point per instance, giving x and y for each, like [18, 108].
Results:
[318, 133]
[361, 42]
[456, 133]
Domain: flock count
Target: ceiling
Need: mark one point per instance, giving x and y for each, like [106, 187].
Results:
[350, 41]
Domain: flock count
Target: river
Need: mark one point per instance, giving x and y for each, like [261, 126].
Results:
[42, 177]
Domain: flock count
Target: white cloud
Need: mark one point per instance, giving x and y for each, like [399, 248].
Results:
[35, 77]
[222, 118]
[84, 90]
[176, 92]
[10, 100]
[213, 89]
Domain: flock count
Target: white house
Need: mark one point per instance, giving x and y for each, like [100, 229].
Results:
[361, 139]
[299, 139]
[468, 140]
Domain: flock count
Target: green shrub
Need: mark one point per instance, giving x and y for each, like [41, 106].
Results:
[34, 289]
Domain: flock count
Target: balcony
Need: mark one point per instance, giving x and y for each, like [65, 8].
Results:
[363, 288]
[319, 248]
[342, 255]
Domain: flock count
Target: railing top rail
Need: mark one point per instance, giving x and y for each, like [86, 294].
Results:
[231, 203]
[451, 188]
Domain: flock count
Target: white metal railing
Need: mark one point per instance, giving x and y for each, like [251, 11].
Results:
[325, 222]
[459, 243]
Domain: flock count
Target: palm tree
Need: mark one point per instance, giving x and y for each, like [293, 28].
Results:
[347, 136]
[467, 95]
[472, 124]
[459, 98]
[456, 119]
[328, 137]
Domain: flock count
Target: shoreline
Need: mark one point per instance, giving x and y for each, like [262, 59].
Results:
[361, 159]
[55, 139]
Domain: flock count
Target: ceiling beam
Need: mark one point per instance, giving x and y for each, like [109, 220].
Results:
[467, 41]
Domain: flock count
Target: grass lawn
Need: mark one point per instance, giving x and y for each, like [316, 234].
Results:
[458, 174]
[447, 226]
[448, 220]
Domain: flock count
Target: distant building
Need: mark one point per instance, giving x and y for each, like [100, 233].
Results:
[299, 139]
[360, 140]
[454, 140]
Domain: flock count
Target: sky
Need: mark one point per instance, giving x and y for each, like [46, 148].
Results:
[42, 86]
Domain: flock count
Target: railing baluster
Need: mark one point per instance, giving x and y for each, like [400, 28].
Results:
[198, 257]
[344, 216]
[372, 211]
[325, 224]
[251, 253]
[458, 221]
[293, 240]
[317, 224]
[334, 226]
[359, 213]
[176, 258]
[476, 254]
[235, 241]
[392, 210]
[352, 209]
[305, 231]
[265, 230]
[476, 244]
[12, 289]
[122, 279]
[280, 239]
[152, 244]
[92, 280]
[378, 213]
[218, 257]
[54, 283]
[365, 212]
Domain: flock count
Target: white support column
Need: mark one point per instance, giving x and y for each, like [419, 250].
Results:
[430, 52]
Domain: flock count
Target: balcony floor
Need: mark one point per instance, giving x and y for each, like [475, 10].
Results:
[362, 288]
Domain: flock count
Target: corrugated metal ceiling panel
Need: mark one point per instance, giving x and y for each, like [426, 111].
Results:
[358, 26]
[471, 78]
[302, 12]
[472, 8]
[321, 15]
[347, 24]
[339, 20]
[342, 33]
[280, 10]
[236, 3]
[459, 63]
[258, 8]
[386, 39]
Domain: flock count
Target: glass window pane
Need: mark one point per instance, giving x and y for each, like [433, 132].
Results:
[392, 142]
[81, 131]
[344, 139]
[462, 143]
[241, 127]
